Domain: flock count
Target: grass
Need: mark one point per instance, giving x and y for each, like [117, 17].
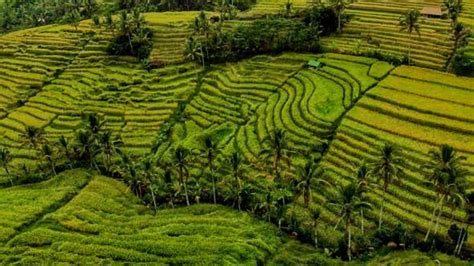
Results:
[417, 110]
[374, 27]
[105, 223]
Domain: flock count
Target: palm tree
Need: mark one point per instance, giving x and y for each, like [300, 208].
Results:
[193, 51]
[87, 148]
[276, 149]
[454, 8]
[109, 146]
[339, 6]
[65, 149]
[446, 177]
[235, 168]
[94, 123]
[310, 174]
[409, 22]
[33, 137]
[181, 161]
[288, 7]
[363, 176]
[388, 169]
[49, 156]
[315, 218]
[148, 172]
[74, 18]
[210, 150]
[90, 7]
[5, 160]
[348, 203]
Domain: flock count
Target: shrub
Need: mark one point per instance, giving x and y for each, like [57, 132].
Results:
[462, 64]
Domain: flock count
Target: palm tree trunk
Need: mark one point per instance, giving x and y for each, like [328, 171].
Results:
[433, 215]
[154, 199]
[458, 240]
[381, 208]
[214, 194]
[8, 174]
[349, 255]
[362, 221]
[409, 50]
[339, 21]
[186, 191]
[463, 239]
[439, 215]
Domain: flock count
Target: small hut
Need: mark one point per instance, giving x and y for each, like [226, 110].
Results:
[314, 64]
[432, 12]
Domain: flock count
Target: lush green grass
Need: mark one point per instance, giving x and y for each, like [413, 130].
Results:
[105, 223]
[374, 27]
[417, 110]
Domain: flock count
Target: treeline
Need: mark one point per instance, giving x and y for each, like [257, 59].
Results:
[299, 32]
[17, 14]
[273, 188]
[182, 5]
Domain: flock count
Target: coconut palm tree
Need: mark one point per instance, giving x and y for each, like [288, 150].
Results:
[387, 168]
[149, 175]
[363, 175]
[310, 174]
[210, 150]
[181, 162]
[315, 215]
[5, 160]
[288, 8]
[87, 148]
[94, 123]
[109, 146]
[65, 149]
[348, 203]
[33, 137]
[276, 148]
[339, 6]
[193, 51]
[235, 168]
[454, 8]
[409, 22]
[49, 155]
[446, 176]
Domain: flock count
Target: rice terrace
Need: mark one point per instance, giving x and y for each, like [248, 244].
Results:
[237, 132]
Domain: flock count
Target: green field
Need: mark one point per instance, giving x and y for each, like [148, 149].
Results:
[104, 223]
[338, 117]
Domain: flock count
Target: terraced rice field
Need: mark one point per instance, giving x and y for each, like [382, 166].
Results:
[247, 100]
[467, 18]
[170, 31]
[263, 7]
[51, 76]
[418, 110]
[374, 27]
[105, 223]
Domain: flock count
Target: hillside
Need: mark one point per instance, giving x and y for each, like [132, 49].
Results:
[104, 223]
[351, 145]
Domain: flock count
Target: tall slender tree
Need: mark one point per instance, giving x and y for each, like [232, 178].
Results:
[49, 155]
[182, 161]
[348, 204]
[339, 6]
[33, 137]
[447, 178]
[5, 160]
[210, 150]
[363, 175]
[310, 175]
[387, 168]
[276, 148]
[409, 22]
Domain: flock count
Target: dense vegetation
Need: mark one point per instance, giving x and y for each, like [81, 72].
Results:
[201, 112]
